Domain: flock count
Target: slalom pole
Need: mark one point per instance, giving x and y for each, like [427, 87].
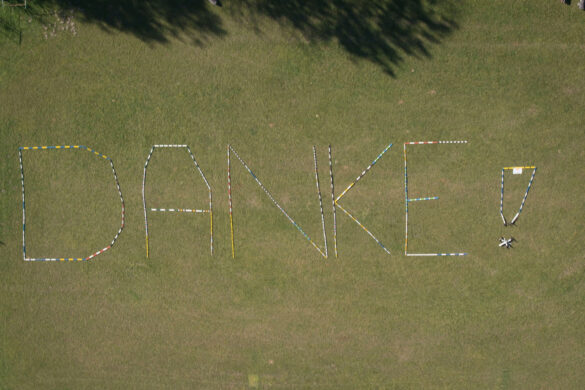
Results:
[320, 200]
[230, 200]
[23, 206]
[363, 172]
[405, 204]
[363, 227]
[502, 200]
[144, 198]
[333, 203]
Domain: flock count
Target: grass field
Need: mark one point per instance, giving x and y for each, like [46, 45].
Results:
[508, 77]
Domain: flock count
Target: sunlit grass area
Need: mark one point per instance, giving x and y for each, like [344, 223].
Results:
[273, 82]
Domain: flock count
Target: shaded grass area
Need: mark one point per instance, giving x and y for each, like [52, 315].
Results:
[11, 24]
[382, 32]
[185, 319]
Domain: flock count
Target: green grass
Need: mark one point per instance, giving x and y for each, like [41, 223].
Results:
[509, 80]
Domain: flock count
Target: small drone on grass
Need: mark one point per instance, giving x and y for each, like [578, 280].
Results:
[506, 242]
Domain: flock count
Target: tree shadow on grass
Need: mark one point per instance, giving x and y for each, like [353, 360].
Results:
[149, 20]
[10, 24]
[382, 31]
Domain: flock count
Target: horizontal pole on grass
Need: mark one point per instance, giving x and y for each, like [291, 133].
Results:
[419, 199]
[434, 142]
[436, 254]
[63, 259]
[183, 210]
[49, 147]
[509, 168]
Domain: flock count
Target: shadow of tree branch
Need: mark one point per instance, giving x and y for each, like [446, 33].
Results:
[382, 31]
[149, 20]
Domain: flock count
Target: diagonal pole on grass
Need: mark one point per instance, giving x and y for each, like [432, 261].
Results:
[292, 221]
[336, 201]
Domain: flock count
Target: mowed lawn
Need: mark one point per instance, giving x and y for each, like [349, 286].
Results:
[509, 79]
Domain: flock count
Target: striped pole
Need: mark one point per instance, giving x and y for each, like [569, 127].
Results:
[230, 200]
[123, 210]
[94, 254]
[351, 185]
[437, 254]
[210, 199]
[419, 199]
[363, 227]
[333, 203]
[23, 205]
[60, 259]
[292, 221]
[123, 207]
[56, 147]
[78, 147]
[182, 210]
[144, 198]
[421, 142]
[211, 221]
[502, 200]
[434, 142]
[405, 203]
[407, 200]
[512, 168]
[320, 201]
[364, 172]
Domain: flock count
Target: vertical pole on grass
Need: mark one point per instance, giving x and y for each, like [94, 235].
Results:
[229, 179]
[320, 201]
[144, 198]
[23, 204]
[333, 203]
[502, 200]
[405, 204]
